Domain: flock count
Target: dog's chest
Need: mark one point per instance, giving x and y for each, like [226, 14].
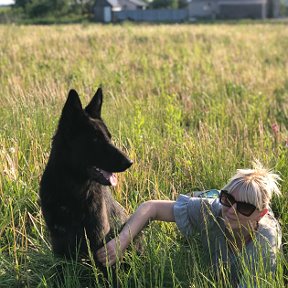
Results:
[97, 210]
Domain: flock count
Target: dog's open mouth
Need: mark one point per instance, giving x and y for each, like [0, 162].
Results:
[104, 177]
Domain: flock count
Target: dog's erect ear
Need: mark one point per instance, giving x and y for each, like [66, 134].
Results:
[73, 105]
[95, 105]
[73, 102]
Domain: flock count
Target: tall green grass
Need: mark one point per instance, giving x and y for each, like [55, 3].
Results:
[189, 104]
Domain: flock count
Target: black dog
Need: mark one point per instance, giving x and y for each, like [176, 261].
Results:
[76, 203]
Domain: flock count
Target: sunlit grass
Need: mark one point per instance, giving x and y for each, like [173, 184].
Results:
[189, 103]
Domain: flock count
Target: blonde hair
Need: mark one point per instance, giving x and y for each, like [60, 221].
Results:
[255, 186]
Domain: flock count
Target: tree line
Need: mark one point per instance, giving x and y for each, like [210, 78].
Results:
[58, 8]
[40, 8]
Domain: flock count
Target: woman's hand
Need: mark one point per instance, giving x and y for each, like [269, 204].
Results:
[150, 210]
[109, 253]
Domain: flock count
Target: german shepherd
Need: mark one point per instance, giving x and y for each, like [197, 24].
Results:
[76, 201]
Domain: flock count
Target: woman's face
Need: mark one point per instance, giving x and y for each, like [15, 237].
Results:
[236, 220]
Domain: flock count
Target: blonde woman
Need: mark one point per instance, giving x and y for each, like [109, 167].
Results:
[238, 225]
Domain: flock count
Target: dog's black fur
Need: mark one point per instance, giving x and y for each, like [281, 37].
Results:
[76, 203]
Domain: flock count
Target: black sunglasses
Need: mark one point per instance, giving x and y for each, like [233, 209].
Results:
[228, 200]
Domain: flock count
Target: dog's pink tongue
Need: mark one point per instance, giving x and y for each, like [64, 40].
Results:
[113, 179]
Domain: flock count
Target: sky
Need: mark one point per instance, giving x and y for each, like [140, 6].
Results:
[6, 2]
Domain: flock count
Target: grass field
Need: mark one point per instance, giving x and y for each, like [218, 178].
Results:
[189, 103]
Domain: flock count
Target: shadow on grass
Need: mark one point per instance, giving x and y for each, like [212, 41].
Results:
[44, 270]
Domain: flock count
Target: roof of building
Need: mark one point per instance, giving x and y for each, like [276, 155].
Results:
[113, 3]
[117, 3]
[138, 2]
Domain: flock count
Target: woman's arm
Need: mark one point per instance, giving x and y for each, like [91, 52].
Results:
[148, 211]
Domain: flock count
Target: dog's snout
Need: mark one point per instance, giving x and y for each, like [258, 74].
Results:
[117, 162]
[126, 163]
[130, 162]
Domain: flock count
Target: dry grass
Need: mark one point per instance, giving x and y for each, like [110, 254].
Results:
[190, 103]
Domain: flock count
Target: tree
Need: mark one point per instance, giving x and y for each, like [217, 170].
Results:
[21, 3]
[40, 8]
[183, 3]
[173, 4]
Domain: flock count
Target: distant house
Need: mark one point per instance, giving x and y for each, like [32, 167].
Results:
[104, 9]
[135, 10]
[234, 9]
